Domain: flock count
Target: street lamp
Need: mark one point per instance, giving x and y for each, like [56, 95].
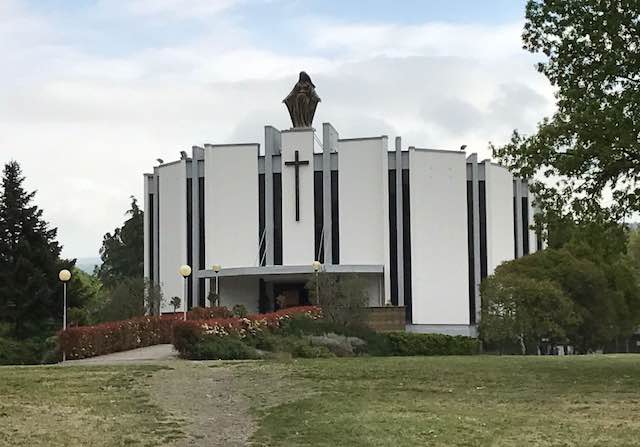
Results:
[64, 276]
[216, 270]
[316, 268]
[185, 272]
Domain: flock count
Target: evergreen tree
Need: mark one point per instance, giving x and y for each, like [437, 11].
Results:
[122, 252]
[29, 260]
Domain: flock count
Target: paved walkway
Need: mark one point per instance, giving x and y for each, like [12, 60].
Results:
[150, 353]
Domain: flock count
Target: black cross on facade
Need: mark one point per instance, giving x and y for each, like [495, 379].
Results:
[296, 163]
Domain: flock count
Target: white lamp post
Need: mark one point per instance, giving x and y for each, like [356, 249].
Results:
[216, 270]
[185, 272]
[316, 268]
[64, 276]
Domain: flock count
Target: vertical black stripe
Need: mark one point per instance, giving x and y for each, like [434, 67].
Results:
[335, 227]
[525, 226]
[189, 296]
[406, 244]
[262, 239]
[152, 239]
[277, 218]
[393, 238]
[515, 229]
[201, 244]
[318, 215]
[470, 254]
[482, 202]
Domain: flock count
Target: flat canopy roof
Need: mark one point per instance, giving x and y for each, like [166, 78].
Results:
[277, 270]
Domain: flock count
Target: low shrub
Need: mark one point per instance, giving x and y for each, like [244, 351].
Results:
[20, 352]
[221, 348]
[340, 345]
[208, 313]
[408, 344]
[306, 350]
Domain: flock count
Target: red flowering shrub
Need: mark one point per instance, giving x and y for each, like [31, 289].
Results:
[187, 333]
[90, 341]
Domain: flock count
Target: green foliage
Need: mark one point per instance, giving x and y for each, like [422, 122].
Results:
[221, 348]
[516, 308]
[409, 344]
[605, 298]
[591, 142]
[240, 311]
[30, 296]
[342, 297]
[175, 302]
[131, 297]
[122, 252]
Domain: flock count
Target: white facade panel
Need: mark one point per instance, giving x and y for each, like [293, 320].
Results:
[499, 205]
[231, 209]
[240, 290]
[172, 209]
[297, 236]
[439, 256]
[363, 189]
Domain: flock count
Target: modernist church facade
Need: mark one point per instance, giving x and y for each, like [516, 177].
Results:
[421, 226]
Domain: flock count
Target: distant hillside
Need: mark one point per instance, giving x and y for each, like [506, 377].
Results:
[88, 264]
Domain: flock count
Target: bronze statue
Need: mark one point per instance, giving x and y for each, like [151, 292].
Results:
[302, 102]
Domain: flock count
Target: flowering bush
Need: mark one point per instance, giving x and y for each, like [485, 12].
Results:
[186, 334]
[90, 341]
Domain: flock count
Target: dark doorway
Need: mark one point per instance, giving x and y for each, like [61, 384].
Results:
[290, 295]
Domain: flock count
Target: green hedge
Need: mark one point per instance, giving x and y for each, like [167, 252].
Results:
[407, 343]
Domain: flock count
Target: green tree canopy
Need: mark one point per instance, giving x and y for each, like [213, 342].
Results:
[591, 143]
[122, 252]
[29, 259]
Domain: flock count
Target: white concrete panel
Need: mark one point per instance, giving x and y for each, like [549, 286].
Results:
[297, 236]
[172, 229]
[499, 203]
[439, 264]
[240, 290]
[231, 205]
[363, 189]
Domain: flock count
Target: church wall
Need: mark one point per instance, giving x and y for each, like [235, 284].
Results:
[298, 236]
[364, 203]
[231, 211]
[439, 264]
[172, 230]
[499, 209]
[240, 290]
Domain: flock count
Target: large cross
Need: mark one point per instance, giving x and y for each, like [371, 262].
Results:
[296, 163]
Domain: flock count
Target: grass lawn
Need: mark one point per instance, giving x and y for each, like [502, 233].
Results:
[80, 406]
[452, 401]
[435, 401]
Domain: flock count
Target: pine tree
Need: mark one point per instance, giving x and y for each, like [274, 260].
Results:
[122, 252]
[29, 260]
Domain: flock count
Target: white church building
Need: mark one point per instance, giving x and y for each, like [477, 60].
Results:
[421, 226]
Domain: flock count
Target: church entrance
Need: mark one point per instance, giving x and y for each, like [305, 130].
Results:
[290, 295]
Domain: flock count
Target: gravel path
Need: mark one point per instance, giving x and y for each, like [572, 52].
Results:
[208, 398]
[150, 353]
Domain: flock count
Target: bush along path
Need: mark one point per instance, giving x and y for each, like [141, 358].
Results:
[303, 332]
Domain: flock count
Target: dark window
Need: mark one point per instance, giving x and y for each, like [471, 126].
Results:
[525, 225]
[393, 238]
[470, 251]
[152, 238]
[262, 238]
[201, 250]
[515, 230]
[482, 202]
[335, 228]
[158, 279]
[318, 215]
[538, 240]
[190, 241]
[277, 218]
[406, 243]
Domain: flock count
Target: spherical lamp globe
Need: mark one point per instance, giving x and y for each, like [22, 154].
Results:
[316, 266]
[184, 270]
[64, 275]
[217, 268]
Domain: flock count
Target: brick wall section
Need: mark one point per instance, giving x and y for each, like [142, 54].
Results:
[385, 319]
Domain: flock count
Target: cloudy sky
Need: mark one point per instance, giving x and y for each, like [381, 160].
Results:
[93, 91]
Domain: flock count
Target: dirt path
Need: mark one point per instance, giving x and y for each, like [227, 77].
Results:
[150, 353]
[208, 398]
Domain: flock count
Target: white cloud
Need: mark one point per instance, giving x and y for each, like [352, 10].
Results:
[86, 124]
